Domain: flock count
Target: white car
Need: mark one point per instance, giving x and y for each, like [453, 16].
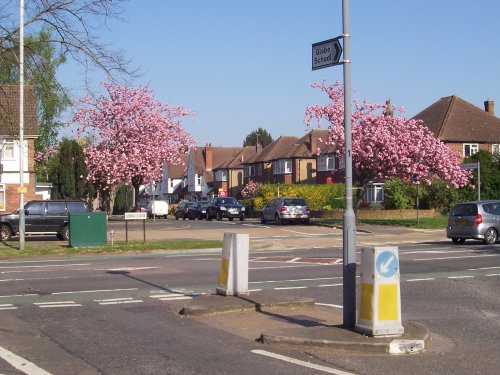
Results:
[158, 209]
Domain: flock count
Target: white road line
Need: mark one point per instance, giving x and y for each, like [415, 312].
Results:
[466, 256]
[7, 306]
[290, 287]
[292, 280]
[493, 274]
[21, 364]
[172, 298]
[117, 301]
[459, 277]
[483, 268]
[329, 305]
[306, 234]
[255, 290]
[50, 265]
[295, 361]
[326, 285]
[95, 291]
[57, 304]
[19, 295]
[425, 279]
[297, 266]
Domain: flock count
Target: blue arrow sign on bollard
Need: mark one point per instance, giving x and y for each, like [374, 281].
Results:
[326, 53]
[387, 264]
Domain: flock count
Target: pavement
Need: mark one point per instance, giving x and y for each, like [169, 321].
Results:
[297, 321]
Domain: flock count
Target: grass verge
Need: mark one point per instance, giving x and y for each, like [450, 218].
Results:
[437, 222]
[10, 249]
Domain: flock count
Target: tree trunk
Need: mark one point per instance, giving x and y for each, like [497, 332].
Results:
[136, 183]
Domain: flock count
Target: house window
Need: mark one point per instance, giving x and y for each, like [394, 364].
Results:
[470, 149]
[325, 163]
[221, 175]
[495, 149]
[374, 193]
[282, 166]
[2, 197]
[198, 179]
[171, 182]
[8, 150]
[249, 171]
[259, 169]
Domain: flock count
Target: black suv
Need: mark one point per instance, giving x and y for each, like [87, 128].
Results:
[42, 217]
[229, 207]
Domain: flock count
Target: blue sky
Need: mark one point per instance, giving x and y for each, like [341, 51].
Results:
[240, 65]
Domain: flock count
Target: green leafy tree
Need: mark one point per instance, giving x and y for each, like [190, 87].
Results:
[41, 64]
[260, 136]
[490, 174]
[68, 171]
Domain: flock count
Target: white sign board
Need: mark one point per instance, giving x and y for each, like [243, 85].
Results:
[469, 166]
[136, 215]
[326, 53]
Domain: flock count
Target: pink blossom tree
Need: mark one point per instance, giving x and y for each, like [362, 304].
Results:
[131, 136]
[385, 145]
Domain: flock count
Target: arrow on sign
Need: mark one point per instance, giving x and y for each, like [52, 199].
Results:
[384, 267]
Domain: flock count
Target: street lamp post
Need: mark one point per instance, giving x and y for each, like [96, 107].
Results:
[21, 125]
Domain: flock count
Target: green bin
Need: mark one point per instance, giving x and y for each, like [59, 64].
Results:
[88, 229]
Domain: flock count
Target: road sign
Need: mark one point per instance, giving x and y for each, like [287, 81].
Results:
[326, 53]
[136, 215]
[387, 264]
[469, 166]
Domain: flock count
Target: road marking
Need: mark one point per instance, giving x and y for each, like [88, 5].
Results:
[466, 256]
[290, 287]
[483, 268]
[57, 304]
[297, 266]
[493, 274]
[117, 301]
[171, 296]
[459, 277]
[303, 233]
[295, 361]
[126, 269]
[50, 265]
[19, 295]
[325, 285]
[425, 279]
[7, 306]
[21, 364]
[292, 280]
[329, 305]
[95, 291]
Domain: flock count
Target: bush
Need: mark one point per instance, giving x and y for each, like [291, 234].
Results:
[398, 195]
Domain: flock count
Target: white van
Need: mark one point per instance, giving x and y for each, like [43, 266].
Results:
[158, 209]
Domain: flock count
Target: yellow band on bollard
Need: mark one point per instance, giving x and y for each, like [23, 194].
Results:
[224, 271]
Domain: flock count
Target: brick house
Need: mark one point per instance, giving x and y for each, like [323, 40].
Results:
[292, 160]
[201, 165]
[10, 147]
[463, 126]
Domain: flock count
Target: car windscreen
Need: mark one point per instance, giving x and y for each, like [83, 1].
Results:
[228, 201]
[294, 202]
[465, 210]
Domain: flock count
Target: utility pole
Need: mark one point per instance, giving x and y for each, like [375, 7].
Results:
[21, 125]
[349, 227]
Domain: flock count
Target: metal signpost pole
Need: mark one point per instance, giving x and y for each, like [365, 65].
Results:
[478, 181]
[349, 243]
[21, 125]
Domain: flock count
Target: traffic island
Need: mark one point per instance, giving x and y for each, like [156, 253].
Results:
[339, 338]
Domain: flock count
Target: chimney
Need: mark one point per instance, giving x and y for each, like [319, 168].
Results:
[388, 109]
[489, 106]
[313, 142]
[208, 157]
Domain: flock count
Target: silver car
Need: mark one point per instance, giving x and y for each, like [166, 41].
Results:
[285, 209]
[474, 220]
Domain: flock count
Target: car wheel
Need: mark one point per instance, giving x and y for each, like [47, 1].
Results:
[5, 233]
[208, 216]
[65, 233]
[262, 219]
[219, 216]
[277, 220]
[242, 218]
[306, 221]
[458, 241]
[491, 236]
[176, 217]
[230, 219]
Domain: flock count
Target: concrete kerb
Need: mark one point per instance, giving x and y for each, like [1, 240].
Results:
[332, 336]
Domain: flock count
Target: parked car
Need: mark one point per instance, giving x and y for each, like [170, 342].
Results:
[474, 220]
[42, 217]
[200, 209]
[229, 207]
[185, 211]
[158, 209]
[285, 209]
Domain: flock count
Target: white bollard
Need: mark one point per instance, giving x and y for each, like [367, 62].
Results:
[380, 298]
[233, 277]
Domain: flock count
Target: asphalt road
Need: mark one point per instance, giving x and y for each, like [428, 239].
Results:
[119, 314]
